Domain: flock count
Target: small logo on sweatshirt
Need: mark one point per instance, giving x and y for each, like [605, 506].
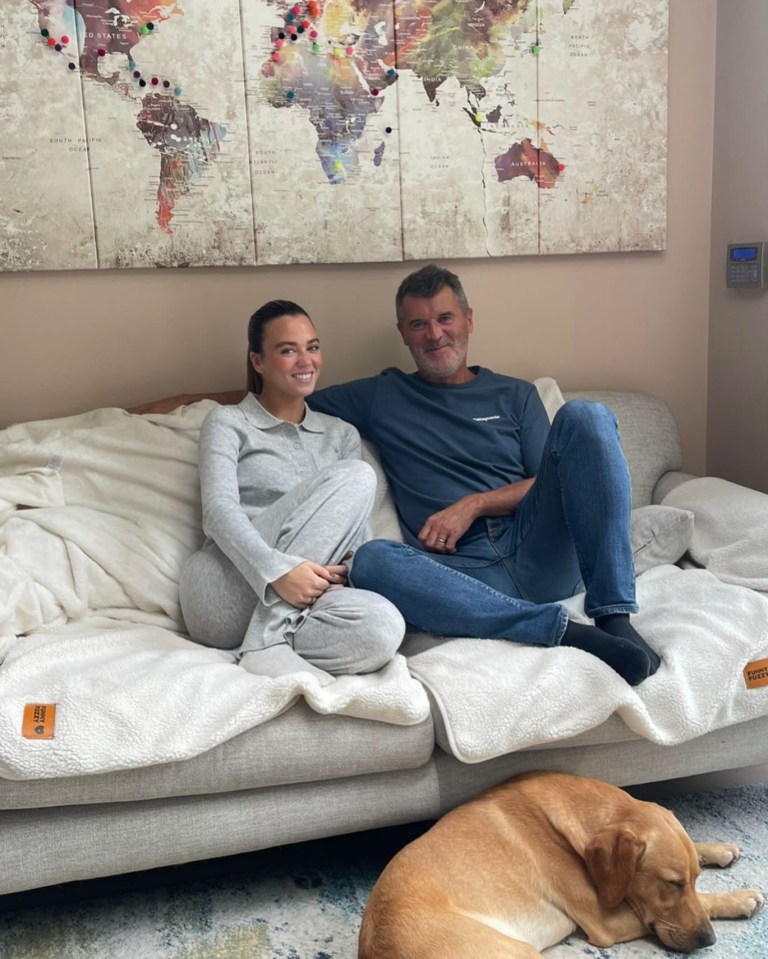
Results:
[484, 419]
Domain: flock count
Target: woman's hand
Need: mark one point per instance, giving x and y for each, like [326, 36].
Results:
[304, 583]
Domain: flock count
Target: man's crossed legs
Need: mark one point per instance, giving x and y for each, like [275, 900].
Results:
[571, 530]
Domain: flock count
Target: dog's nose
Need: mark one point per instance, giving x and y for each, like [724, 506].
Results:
[706, 938]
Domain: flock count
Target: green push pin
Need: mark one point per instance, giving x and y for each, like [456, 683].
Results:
[536, 49]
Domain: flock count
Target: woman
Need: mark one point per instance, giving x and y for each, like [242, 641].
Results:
[286, 499]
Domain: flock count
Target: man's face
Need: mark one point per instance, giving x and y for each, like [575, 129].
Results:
[436, 331]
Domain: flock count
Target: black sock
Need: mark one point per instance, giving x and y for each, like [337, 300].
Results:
[622, 655]
[618, 624]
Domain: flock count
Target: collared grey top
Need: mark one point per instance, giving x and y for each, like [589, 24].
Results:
[248, 459]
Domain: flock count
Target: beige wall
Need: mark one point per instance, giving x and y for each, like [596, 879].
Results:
[737, 447]
[71, 341]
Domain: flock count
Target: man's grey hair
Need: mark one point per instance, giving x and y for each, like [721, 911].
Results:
[427, 282]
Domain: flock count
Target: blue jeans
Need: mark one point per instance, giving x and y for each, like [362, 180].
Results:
[570, 531]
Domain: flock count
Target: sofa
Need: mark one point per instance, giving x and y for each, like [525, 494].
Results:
[470, 712]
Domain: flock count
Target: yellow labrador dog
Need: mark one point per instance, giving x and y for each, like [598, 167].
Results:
[521, 866]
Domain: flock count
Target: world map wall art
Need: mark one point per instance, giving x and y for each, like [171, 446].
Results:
[141, 133]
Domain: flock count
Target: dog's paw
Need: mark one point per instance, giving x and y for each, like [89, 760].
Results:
[720, 854]
[746, 903]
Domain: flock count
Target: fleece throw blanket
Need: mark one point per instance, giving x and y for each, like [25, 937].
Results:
[97, 514]
[494, 697]
[730, 529]
[139, 695]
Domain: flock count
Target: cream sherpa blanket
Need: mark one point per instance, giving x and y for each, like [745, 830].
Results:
[495, 697]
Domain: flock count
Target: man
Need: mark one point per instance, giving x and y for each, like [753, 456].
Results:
[502, 515]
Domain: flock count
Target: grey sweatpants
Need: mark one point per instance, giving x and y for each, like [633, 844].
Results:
[345, 630]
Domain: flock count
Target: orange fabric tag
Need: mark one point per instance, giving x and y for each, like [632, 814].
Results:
[756, 674]
[39, 721]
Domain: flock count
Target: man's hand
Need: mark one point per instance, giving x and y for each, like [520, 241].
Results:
[304, 583]
[443, 530]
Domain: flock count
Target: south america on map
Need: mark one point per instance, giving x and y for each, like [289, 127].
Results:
[186, 133]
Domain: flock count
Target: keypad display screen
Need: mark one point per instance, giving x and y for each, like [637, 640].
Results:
[744, 253]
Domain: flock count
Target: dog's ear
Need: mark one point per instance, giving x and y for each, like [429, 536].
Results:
[612, 857]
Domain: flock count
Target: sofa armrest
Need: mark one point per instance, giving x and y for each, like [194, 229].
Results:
[667, 482]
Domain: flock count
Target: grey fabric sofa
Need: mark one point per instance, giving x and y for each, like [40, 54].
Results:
[304, 776]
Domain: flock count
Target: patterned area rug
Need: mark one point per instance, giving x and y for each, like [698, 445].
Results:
[305, 902]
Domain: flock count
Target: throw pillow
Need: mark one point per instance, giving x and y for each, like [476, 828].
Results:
[550, 394]
[660, 534]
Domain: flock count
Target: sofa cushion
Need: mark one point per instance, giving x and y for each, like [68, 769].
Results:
[300, 746]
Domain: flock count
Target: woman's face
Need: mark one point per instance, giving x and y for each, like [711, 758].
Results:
[290, 358]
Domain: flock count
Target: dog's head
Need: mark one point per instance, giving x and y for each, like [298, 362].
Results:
[651, 863]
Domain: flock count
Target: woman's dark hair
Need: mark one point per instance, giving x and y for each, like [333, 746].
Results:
[256, 326]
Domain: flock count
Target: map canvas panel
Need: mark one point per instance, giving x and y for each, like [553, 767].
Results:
[169, 164]
[46, 220]
[602, 110]
[508, 125]
[468, 92]
[322, 110]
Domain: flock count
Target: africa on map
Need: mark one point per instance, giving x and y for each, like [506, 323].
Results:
[140, 133]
